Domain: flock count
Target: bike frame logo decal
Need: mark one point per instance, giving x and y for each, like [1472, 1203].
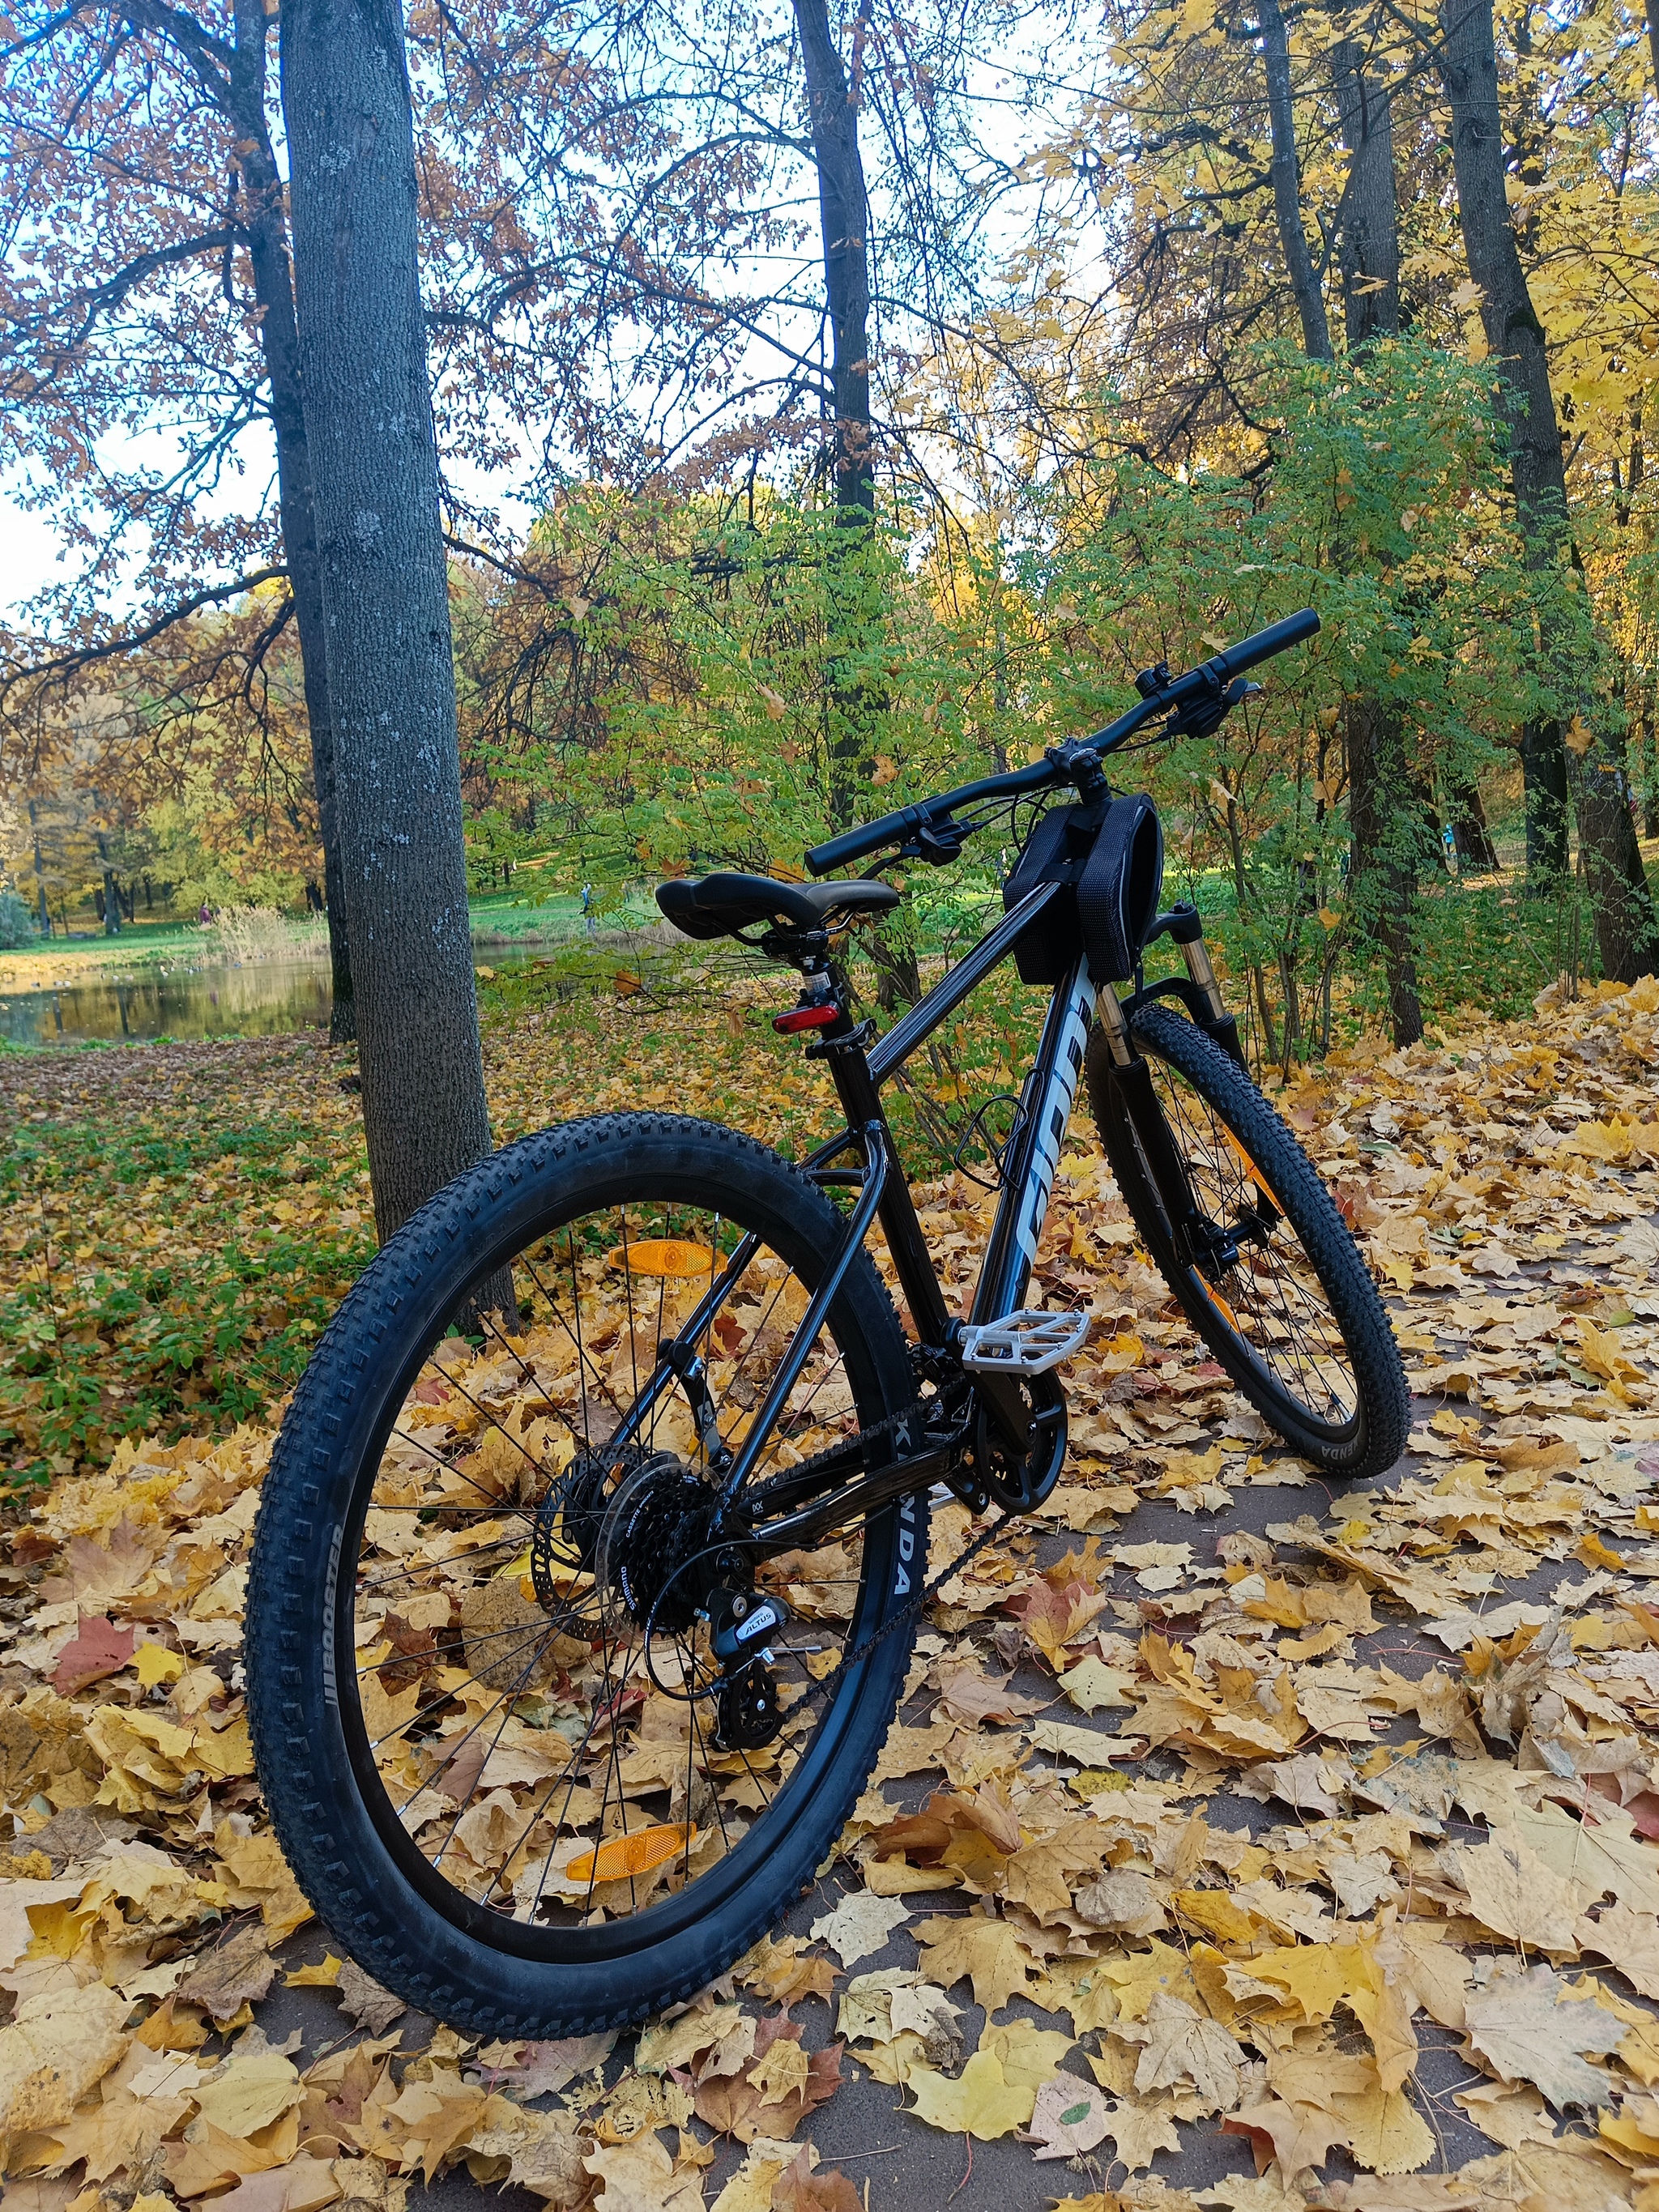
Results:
[1052, 1116]
[907, 1545]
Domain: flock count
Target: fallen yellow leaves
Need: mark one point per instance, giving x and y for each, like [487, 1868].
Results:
[1339, 1837]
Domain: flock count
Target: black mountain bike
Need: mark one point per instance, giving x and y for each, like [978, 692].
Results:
[593, 1549]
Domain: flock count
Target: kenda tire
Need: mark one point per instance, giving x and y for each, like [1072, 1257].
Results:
[372, 1888]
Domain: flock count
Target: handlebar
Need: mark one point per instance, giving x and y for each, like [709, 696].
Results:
[929, 820]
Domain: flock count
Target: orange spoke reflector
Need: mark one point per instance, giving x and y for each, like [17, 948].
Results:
[664, 1256]
[1251, 1169]
[632, 1855]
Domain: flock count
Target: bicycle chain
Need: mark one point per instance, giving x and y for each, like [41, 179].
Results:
[911, 1612]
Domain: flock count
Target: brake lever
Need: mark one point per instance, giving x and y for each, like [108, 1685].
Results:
[1204, 715]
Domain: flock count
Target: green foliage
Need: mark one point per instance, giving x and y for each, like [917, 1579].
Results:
[736, 679]
[163, 1275]
[776, 673]
[18, 928]
[1378, 499]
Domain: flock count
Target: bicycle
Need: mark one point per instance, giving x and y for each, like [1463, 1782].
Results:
[591, 1551]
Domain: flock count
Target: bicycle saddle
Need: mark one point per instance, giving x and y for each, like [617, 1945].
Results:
[720, 906]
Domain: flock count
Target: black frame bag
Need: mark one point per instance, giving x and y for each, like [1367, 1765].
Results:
[1112, 868]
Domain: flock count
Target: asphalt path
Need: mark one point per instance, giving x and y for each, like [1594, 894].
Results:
[863, 2129]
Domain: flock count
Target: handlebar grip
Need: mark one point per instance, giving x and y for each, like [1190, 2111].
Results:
[869, 837]
[1267, 643]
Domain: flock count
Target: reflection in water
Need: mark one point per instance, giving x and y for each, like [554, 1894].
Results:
[267, 998]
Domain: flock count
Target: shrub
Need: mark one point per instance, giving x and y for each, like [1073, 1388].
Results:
[16, 922]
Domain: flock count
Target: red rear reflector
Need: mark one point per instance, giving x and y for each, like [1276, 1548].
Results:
[807, 1018]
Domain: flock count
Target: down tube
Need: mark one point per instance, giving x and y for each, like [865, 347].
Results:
[1024, 1207]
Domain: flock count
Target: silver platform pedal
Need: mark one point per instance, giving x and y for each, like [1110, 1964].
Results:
[1027, 1343]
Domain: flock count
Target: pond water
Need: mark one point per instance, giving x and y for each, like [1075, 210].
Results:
[265, 998]
[270, 997]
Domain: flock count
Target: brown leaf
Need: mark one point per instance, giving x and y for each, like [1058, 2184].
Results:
[237, 1972]
[743, 2104]
[1298, 2135]
[797, 2189]
[98, 1648]
[969, 1694]
[372, 2007]
[544, 2068]
[784, 1972]
[305, 2184]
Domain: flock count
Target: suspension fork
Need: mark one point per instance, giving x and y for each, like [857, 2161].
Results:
[1194, 1235]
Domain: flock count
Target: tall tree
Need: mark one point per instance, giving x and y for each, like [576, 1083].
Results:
[1382, 883]
[369, 428]
[1287, 184]
[1370, 242]
[1627, 927]
[844, 220]
[153, 272]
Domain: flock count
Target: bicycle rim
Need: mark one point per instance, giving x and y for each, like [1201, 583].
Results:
[1270, 1298]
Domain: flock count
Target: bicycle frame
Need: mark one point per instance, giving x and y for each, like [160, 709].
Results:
[1030, 1161]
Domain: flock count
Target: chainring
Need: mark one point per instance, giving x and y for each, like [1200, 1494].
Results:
[1019, 1482]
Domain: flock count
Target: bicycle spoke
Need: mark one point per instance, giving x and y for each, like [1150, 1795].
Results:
[1280, 1307]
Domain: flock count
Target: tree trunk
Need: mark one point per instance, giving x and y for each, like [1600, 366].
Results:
[1370, 222]
[1381, 806]
[267, 244]
[1468, 818]
[1627, 931]
[844, 214]
[1287, 187]
[384, 593]
[39, 872]
[1383, 883]
[855, 707]
[1648, 776]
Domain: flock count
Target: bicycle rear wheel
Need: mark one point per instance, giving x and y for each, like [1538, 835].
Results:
[1287, 1305]
[486, 1719]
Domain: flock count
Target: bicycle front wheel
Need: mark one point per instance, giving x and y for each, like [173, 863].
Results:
[1282, 1298]
[487, 1718]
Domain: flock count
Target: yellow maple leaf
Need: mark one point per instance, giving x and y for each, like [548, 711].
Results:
[982, 2102]
[987, 1952]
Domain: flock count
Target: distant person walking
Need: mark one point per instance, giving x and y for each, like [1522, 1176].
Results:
[589, 921]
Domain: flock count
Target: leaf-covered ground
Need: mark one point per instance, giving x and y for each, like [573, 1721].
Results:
[1241, 1843]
